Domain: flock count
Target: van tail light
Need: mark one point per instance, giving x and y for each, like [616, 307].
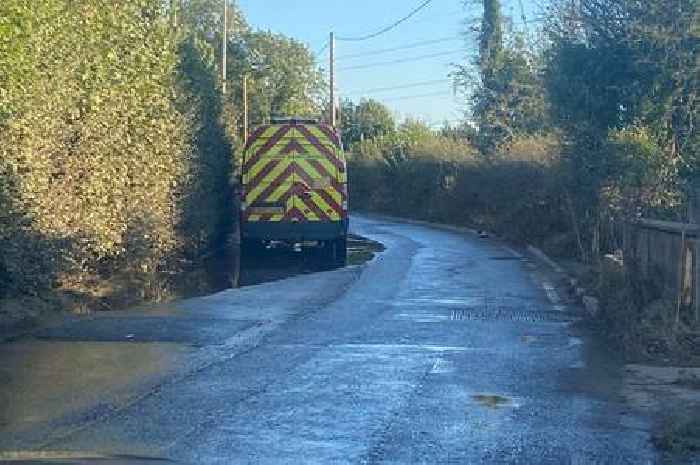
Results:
[242, 198]
[344, 191]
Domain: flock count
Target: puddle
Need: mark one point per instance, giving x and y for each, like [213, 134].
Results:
[282, 262]
[493, 401]
[70, 368]
[361, 250]
[191, 330]
[50, 455]
[45, 380]
[550, 340]
[77, 458]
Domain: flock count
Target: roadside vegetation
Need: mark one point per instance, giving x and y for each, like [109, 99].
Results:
[117, 147]
[117, 142]
[572, 130]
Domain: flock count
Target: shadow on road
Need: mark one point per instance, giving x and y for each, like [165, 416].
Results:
[229, 267]
[283, 262]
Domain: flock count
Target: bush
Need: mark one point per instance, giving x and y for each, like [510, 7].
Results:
[517, 194]
[100, 171]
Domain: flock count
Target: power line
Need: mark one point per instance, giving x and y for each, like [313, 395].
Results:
[523, 16]
[403, 60]
[411, 97]
[405, 86]
[322, 49]
[388, 28]
[442, 13]
[401, 47]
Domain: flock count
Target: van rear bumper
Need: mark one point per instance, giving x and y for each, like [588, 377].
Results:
[288, 231]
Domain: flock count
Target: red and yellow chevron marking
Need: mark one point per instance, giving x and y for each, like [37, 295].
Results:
[294, 172]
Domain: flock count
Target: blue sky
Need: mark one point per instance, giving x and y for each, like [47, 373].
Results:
[442, 22]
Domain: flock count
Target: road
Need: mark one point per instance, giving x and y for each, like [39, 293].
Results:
[446, 348]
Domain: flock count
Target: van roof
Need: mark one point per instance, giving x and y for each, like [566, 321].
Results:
[324, 131]
[293, 120]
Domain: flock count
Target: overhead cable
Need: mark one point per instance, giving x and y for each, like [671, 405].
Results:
[523, 16]
[401, 47]
[404, 86]
[322, 49]
[388, 28]
[403, 60]
[410, 97]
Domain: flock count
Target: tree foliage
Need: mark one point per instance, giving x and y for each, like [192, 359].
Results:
[615, 81]
[504, 88]
[282, 75]
[369, 119]
[622, 80]
[94, 155]
[116, 145]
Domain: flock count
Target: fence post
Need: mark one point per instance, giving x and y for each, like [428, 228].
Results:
[696, 279]
[694, 205]
[694, 218]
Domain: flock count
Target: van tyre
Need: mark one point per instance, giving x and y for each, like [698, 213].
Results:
[339, 252]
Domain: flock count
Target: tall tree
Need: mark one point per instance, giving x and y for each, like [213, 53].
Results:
[284, 77]
[489, 106]
[206, 18]
[622, 79]
[369, 119]
[491, 43]
[504, 88]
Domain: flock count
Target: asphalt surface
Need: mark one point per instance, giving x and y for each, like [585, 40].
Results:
[446, 348]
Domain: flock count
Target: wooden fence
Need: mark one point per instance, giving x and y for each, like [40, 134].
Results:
[666, 253]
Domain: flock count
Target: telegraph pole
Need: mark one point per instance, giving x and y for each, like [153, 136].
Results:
[173, 12]
[245, 108]
[223, 49]
[332, 73]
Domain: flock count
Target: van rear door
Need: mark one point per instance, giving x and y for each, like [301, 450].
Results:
[320, 173]
[268, 174]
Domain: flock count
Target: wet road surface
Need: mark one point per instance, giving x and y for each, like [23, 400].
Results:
[445, 348]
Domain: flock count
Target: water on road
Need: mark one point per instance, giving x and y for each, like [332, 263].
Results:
[446, 348]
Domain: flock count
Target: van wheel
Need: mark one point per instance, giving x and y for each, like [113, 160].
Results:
[339, 249]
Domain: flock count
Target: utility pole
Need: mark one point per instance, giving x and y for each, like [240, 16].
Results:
[173, 12]
[524, 19]
[245, 108]
[332, 73]
[223, 49]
